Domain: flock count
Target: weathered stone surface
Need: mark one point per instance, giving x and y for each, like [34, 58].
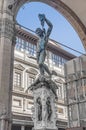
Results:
[6, 65]
[76, 91]
[42, 91]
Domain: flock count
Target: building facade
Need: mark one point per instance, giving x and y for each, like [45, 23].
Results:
[25, 72]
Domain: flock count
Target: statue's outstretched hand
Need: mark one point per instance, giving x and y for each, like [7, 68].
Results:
[42, 19]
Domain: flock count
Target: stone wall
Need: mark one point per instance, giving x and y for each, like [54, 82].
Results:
[75, 77]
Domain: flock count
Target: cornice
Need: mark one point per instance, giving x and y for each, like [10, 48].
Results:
[26, 35]
[53, 47]
[25, 62]
[22, 94]
[19, 66]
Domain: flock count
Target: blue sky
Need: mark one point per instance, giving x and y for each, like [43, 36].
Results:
[62, 31]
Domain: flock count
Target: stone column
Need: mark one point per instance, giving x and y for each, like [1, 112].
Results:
[6, 64]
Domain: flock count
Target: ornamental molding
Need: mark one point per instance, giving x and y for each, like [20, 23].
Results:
[19, 66]
[32, 71]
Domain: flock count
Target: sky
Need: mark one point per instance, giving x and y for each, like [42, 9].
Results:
[62, 31]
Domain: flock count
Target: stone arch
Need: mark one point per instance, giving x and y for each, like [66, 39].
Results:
[69, 14]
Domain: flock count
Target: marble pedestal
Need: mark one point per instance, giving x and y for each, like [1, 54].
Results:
[44, 110]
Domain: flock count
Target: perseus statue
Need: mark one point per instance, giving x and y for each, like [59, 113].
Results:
[41, 53]
[42, 44]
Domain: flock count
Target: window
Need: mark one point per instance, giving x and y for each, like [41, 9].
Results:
[18, 43]
[17, 79]
[31, 75]
[23, 45]
[32, 49]
[57, 60]
[31, 79]
[59, 91]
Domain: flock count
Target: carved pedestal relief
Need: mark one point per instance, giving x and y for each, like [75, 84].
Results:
[44, 110]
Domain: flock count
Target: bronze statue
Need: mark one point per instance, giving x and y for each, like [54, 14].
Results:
[41, 55]
[39, 109]
[41, 47]
[49, 109]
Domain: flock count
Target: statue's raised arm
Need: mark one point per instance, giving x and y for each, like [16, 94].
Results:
[50, 26]
[43, 19]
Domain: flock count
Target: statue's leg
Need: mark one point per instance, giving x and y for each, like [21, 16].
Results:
[47, 69]
[41, 61]
[41, 69]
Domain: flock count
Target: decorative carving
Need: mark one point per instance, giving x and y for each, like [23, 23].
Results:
[39, 107]
[44, 81]
[49, 109]
[44, 111]
[19, 66]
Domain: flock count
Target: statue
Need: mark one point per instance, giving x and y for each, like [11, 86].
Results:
[39, 109]
[44, 88]
[41, 55]
[49, 109]
[41, 47]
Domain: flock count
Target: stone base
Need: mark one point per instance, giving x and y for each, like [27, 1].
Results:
[44, 94]
[44, 110]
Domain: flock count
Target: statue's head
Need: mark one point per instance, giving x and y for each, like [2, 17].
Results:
[39, 32]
